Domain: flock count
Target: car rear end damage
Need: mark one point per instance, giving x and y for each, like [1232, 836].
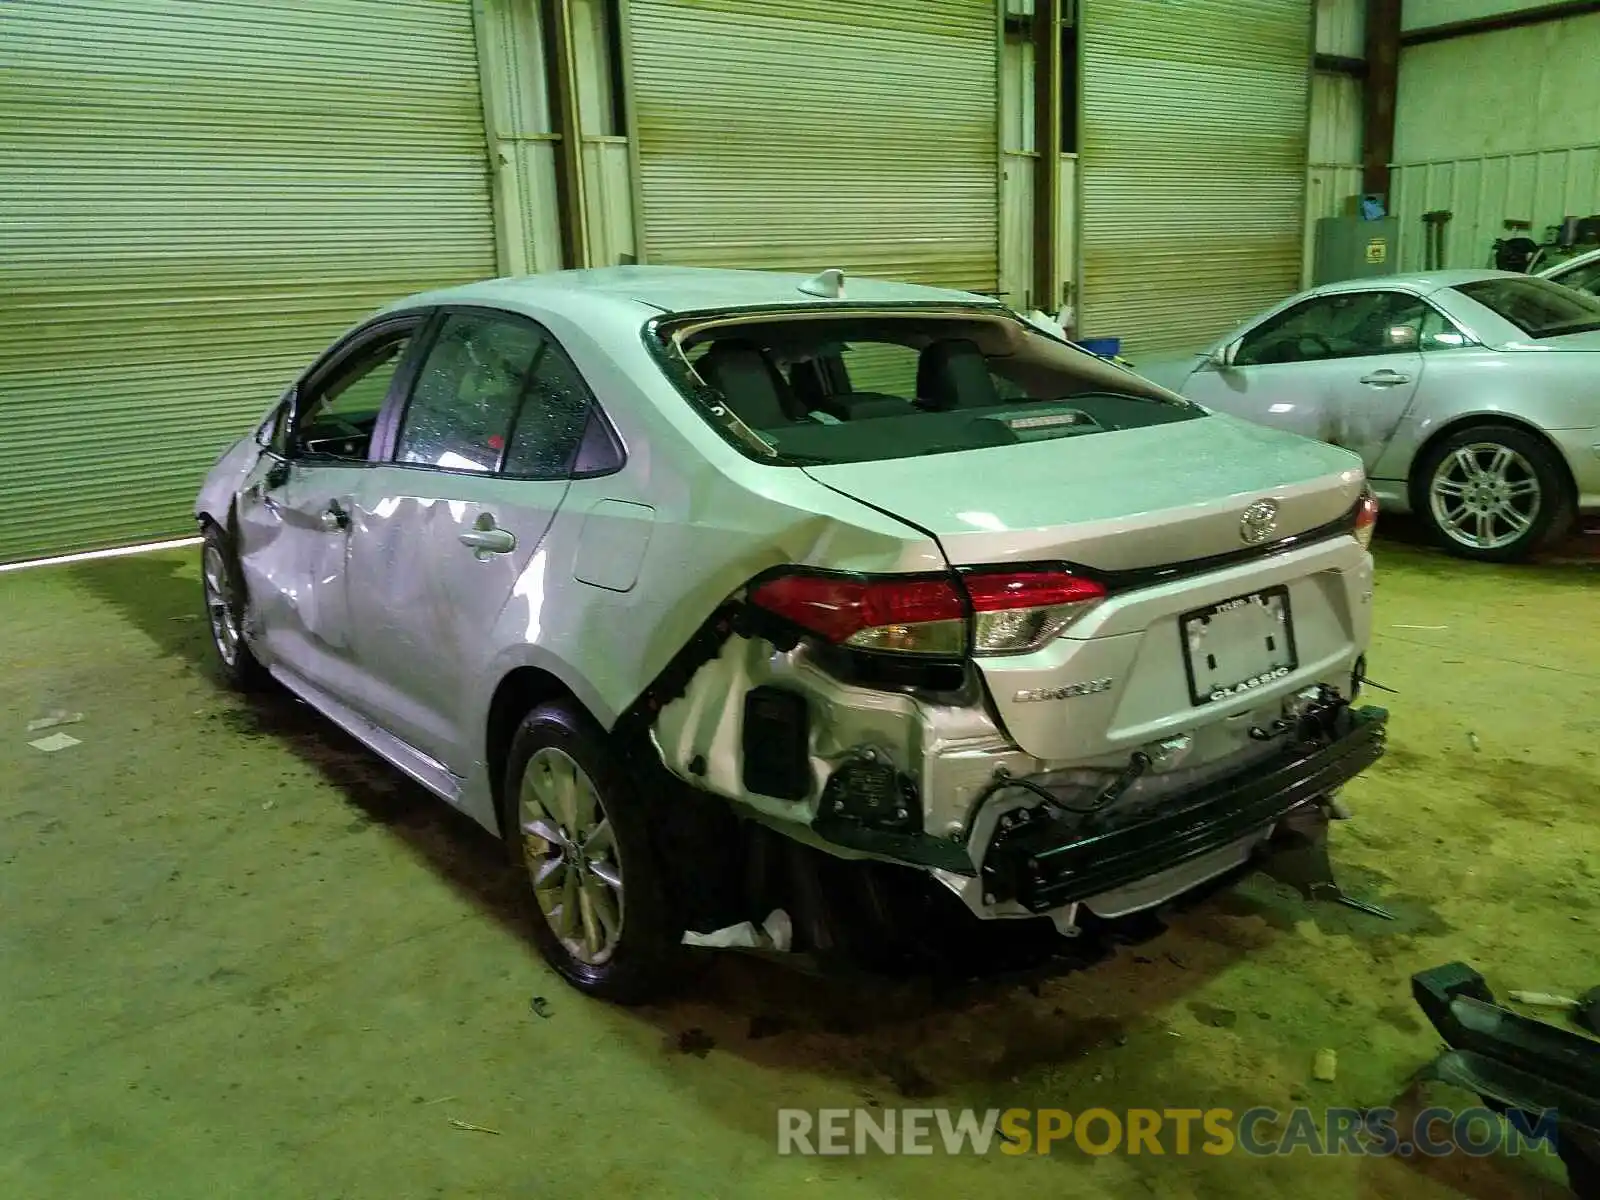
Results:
[1131, 668]
[1047, 783]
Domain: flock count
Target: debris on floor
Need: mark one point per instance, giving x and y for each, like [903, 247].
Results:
[56, 741]
[776, 933]
[540, 1007]
[696, 1041]
[1325, 1066]
[471, 1128]
[51, 719]
[1543, 1000]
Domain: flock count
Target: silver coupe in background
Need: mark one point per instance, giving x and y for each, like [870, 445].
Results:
[1473, 397]
[721, 595]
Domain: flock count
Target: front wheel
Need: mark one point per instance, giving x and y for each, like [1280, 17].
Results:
[1495, 493]
[579, 827]
[223, 592]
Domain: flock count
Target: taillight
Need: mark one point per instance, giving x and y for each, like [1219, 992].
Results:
[1366, 519]
[1013, 611]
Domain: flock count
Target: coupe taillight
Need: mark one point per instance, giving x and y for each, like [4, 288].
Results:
[1366, 519]
[1012, 612]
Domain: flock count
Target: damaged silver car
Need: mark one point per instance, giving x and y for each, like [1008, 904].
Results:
[723, 594]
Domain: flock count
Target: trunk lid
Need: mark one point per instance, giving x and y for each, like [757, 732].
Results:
[1165, 654]
[1588, 340]
[1114, 501]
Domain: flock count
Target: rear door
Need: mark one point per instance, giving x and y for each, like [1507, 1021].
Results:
[448, 530]
[1342, 368]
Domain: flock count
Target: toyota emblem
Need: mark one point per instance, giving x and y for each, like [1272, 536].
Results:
[1260, 521]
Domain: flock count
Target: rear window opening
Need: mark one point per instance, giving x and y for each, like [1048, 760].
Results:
[1536, 306]
[807, 388]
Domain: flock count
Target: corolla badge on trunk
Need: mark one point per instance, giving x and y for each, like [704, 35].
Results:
[1065, 692]
[1260, 521]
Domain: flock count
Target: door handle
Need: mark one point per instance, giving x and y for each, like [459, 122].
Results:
[1385, 378]
[334, 517]
[486, 537]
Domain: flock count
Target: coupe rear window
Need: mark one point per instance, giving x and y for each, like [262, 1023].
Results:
[1536, 306]
[803, 388]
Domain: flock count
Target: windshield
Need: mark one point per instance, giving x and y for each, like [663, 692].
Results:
[1536, 306]
[803, 388]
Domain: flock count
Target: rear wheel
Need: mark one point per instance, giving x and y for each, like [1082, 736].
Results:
[224, 600]
[1493, 492]
[601, 915]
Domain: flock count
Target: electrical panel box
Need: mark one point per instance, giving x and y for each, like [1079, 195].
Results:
[1350, 248]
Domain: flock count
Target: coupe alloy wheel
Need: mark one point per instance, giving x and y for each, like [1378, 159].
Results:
[1484, 495]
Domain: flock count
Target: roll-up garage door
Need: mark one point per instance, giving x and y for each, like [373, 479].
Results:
[1193, 146]
[197, 197]
[804, 134]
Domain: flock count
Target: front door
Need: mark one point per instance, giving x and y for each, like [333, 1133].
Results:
[1341, 367]
[294, 513]
[449, 530]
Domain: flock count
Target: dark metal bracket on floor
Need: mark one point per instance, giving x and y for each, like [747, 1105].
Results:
[1298, 857]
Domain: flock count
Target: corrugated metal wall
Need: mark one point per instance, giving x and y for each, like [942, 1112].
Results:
[1419, 14]
[1515, 90]
[1018, 155]
[196, 198]
[1496, 126]
[802, 134]
[1194, 165]
[1333, 175]
[1342, 27]
[523, 144]
[1481, 193]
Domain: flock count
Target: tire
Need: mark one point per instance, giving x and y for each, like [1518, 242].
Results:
[222, 589]
[1493, 493]
[598, 894]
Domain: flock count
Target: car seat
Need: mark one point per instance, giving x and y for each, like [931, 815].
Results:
[750, 384]
[954, 374]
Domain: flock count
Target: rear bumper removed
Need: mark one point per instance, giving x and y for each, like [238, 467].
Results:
[1041, 863]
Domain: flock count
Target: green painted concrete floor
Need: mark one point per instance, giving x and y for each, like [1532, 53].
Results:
[238, 957]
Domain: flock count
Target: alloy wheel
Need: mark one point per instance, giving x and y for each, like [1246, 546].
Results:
[571, 855]
[1485, 496]
[220, 604]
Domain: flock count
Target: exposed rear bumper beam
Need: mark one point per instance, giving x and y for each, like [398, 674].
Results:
[1044, 863]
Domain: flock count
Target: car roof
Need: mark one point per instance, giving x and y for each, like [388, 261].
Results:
[682, 289]
[1420, 282]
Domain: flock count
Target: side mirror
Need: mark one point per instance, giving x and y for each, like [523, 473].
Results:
[1222, 358]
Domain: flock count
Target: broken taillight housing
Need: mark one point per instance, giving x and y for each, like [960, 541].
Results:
[1012, 611]
[1366, 519]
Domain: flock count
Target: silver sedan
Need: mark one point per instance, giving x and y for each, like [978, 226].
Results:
[1472, 396]
[875, 618]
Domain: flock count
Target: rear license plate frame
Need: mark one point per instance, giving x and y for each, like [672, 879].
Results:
[1251, 682]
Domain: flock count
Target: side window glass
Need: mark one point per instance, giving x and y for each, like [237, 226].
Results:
[337, 415]
[1439, 332]
[1294, 335]
[550, 425]
[1343, 325]
[462, 403]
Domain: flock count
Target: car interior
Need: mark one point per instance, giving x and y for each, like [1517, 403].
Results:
[339, 419]
[851, 389]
